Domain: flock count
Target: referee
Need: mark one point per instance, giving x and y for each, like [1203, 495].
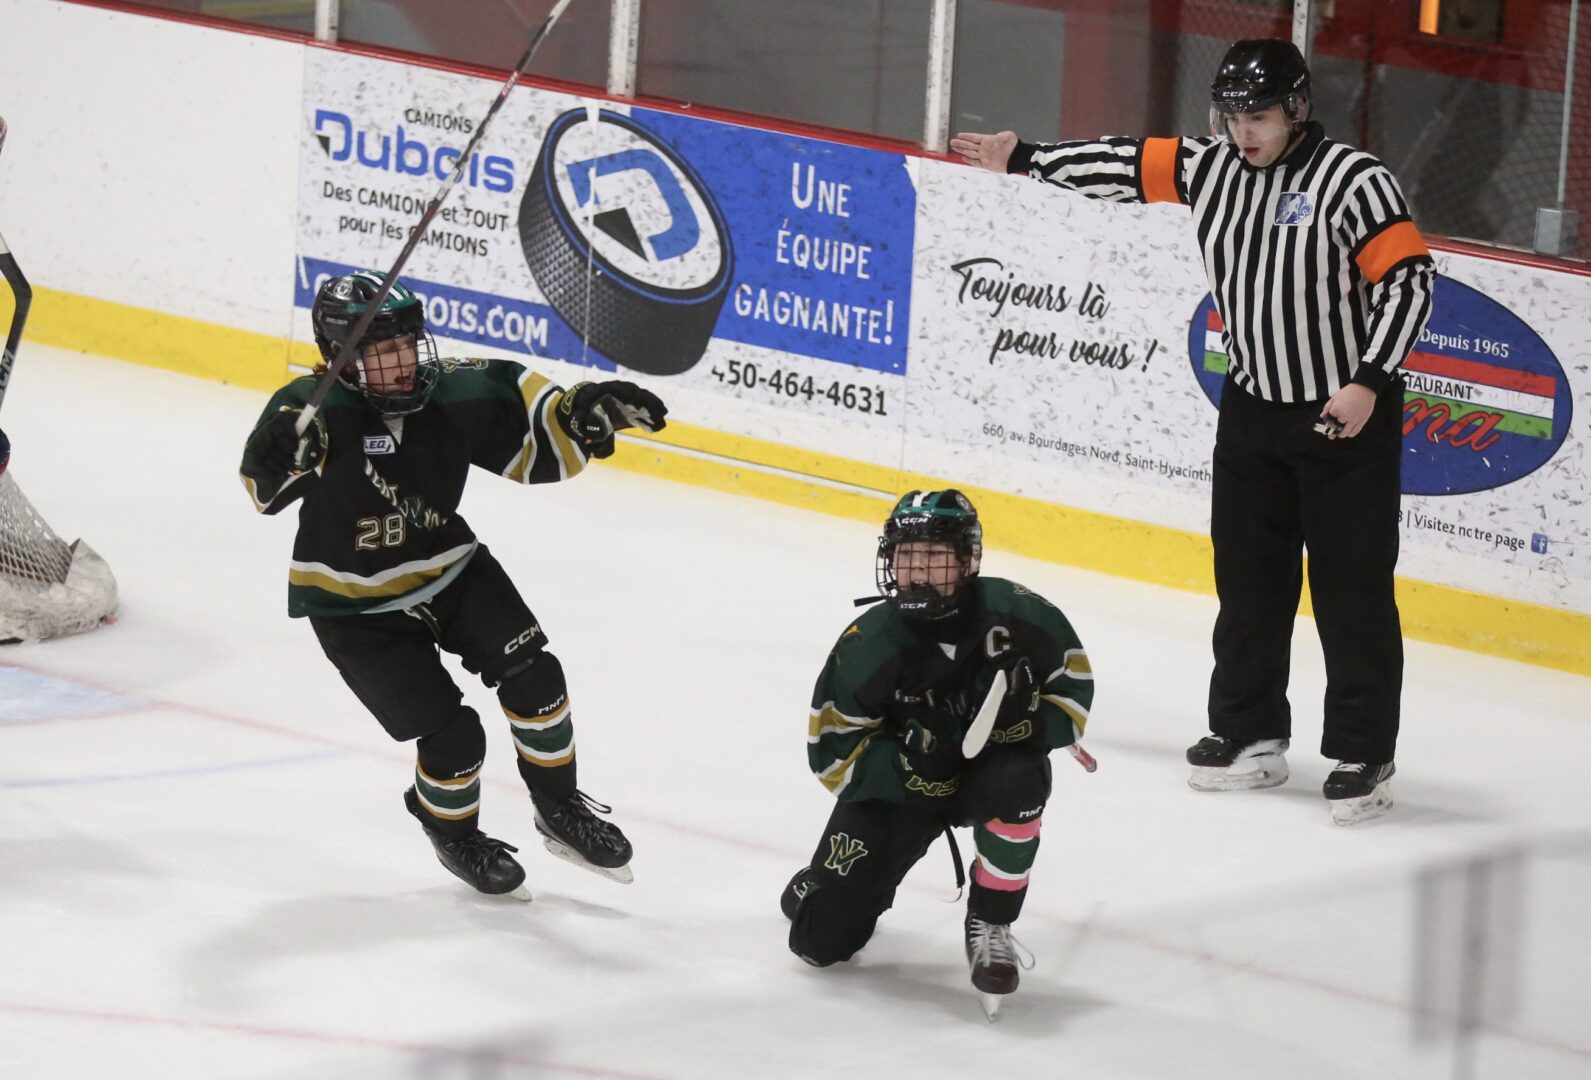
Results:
[1324, 286]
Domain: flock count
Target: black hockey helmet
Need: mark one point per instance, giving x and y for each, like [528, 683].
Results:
[947, 516]
[1257, 73]
[340, 303]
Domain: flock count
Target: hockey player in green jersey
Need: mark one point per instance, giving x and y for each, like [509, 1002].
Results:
[388, 573]
[886, 731]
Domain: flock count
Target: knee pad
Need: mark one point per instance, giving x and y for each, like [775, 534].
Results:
[534, 687]
[829, 924]
[455, 748]
[1009, 784]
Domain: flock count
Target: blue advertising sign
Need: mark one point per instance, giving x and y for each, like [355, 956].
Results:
[657, 232]
[516, 326]
[1486, 402]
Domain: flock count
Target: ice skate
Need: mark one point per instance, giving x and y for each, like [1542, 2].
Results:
[1358, 792]
[796, 891]
[484, 864]
[994, 959]
[572, 832]
[1220, 764]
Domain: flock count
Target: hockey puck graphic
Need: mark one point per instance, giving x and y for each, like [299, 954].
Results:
[625, 241]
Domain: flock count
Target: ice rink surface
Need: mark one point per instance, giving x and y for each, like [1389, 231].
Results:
[206, 869]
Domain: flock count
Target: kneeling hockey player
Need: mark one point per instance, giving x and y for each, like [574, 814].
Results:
[885, 736]
[388, 573]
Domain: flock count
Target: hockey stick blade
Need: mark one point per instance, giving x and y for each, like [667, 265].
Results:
[978, 734]
[344, 355]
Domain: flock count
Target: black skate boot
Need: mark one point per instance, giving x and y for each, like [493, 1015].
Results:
[1359, 792]
[795, 892]
[572, 832]
[1220, 764]
[992, 954]
[479, 861]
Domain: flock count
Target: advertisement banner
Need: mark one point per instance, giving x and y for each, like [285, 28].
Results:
[1081, 336]
[1050, 331]
[918, 314]
[772, 268]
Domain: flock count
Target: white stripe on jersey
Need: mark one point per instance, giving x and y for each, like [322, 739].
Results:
[1299, 313]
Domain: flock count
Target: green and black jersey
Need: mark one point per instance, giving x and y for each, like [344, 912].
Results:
[854, 732]
[357, 552]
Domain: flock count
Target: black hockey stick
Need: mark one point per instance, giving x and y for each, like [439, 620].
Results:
[344, 352]
[24, 297]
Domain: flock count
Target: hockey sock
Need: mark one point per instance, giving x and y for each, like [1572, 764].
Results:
[447, 775]
[1000, 873]
[536, 701]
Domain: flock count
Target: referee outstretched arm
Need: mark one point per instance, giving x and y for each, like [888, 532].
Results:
[1308, 310]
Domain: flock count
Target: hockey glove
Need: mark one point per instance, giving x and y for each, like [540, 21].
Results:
[275, 444]
[930, 735]
[1017, 720]
[592, 412]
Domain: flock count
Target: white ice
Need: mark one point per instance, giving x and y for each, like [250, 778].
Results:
[206, 869]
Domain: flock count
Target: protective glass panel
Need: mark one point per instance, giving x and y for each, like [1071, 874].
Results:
[1469, 118]
[488, 33]
[1008, 68]
[296, 15]
[859, 65]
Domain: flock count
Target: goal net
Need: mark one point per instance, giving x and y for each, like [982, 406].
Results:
[47, 586]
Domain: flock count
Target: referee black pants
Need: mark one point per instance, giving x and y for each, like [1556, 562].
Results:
[1280, 487]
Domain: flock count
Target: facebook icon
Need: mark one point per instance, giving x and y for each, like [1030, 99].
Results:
[1538, 543]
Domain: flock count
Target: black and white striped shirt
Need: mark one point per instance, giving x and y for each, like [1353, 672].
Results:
[1317, 271]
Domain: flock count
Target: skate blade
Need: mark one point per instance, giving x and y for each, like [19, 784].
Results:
[621, 874]
[1260, 773]
[1353, 811]
[991, 1005]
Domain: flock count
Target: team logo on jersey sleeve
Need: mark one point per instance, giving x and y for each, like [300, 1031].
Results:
[1294, 208]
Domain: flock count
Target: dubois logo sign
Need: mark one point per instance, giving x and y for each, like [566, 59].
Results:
[625, 241]
[1486, 401]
